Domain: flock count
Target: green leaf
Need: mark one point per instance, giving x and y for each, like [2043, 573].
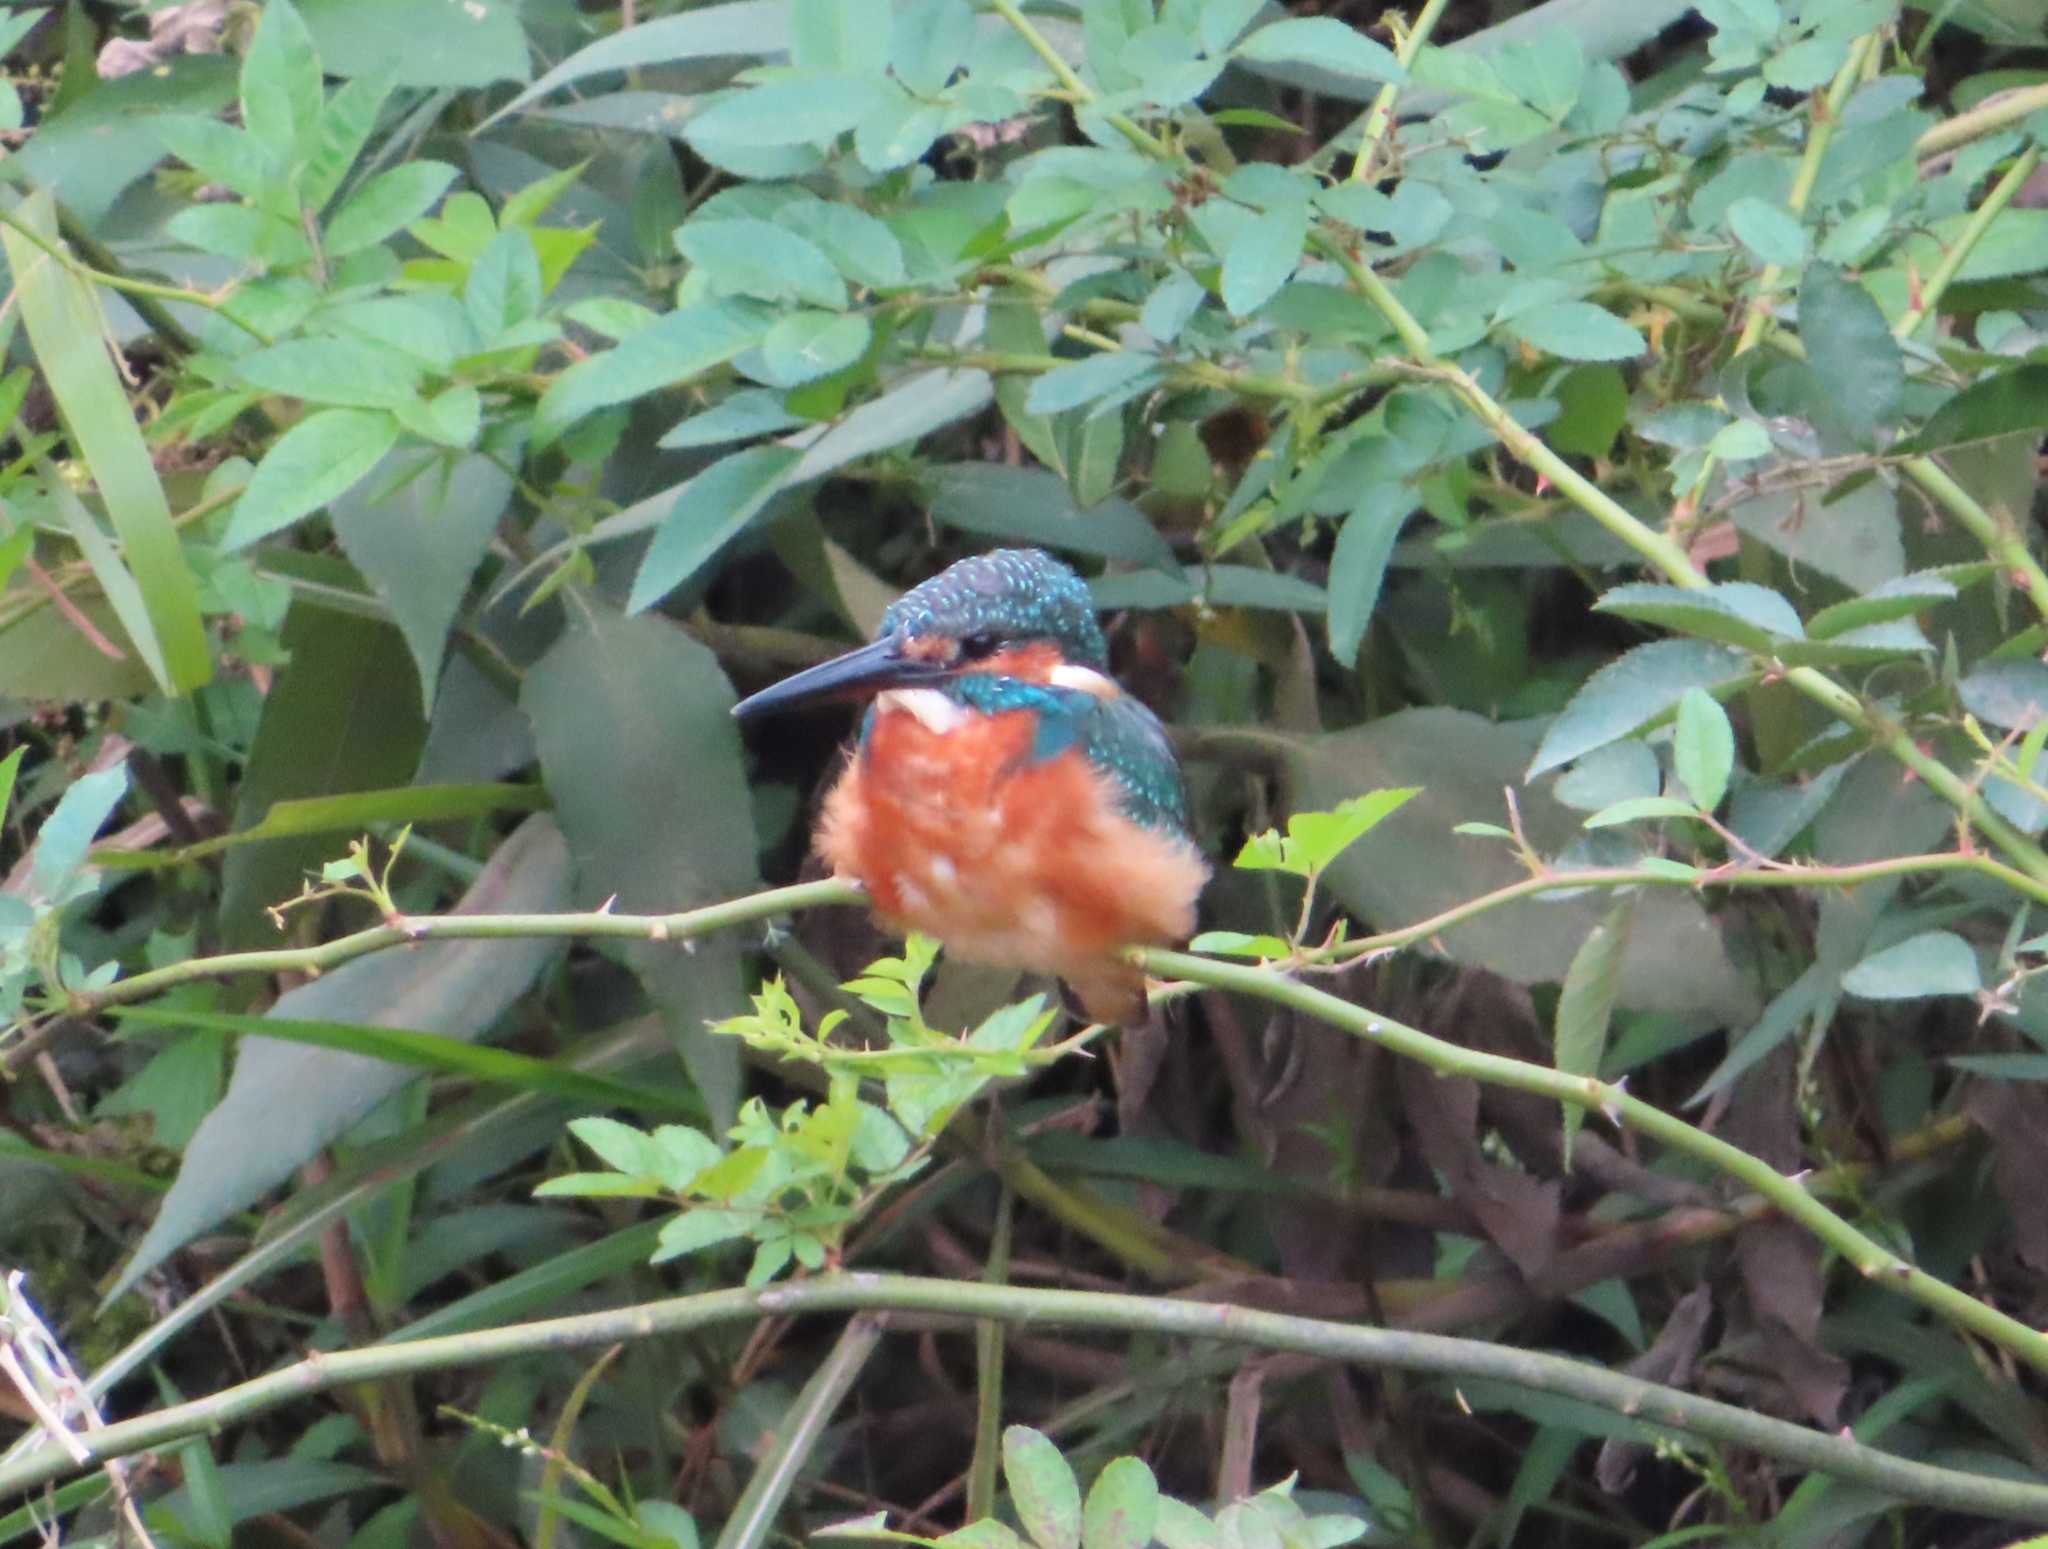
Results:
[404, 43]
[122, 593]
[417, 1050]
[1585, 1008]
[1633, 691]
[1358, 564]
[387, 204]
[350, 373]
[1324, 42]
[1082, 382]
[345, 127]
[1737, 613]
[1034, 506]
[1638, 808]
[988, 1533]
[633, 723]
[351, 813]
[1577, 330]
[341, 719]
[1593, 405]
[619, 1146]
[851, 35]
[1122, 1507]
[221, 154]
[67, 833]
[317, 459]
[1899, 598]
[700, 1228]
[10, 766]
[419, 544]
[1265, 251]
[750, 257]
[1042, 1489]
[281, 87]
[2006, 404]
[1850, 350]
[2015, 243]
[1935, 962]
[64, 325]
[2010, 693]
[807, 345]
[1772, 233]
[1181, 1526]
[681, 344]
[748, 413]
[1315, 839]
[745, 29]
[799, 111]
[709, 512]
[1703, 748]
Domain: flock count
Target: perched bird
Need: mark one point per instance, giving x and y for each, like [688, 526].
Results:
[1006, 796]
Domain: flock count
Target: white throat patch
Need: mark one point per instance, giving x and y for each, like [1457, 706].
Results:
[934, 711]
[1086, 679]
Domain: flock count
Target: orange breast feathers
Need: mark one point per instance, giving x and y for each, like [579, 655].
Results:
[955, 831]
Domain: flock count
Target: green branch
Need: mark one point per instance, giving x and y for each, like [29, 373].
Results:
[1972, 233]
[412, 930]
[1379, 117]
[1432, 1354]
[1788, 1196]
[1999, 111]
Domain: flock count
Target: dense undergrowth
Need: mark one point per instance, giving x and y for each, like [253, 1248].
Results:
[1568, 478]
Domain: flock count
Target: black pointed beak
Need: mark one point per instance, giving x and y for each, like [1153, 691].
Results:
[857, 674]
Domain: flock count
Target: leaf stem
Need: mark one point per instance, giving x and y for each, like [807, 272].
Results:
[1788, 1195]
[1432, 1354]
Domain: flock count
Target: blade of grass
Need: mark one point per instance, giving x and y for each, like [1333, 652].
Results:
[753, 1518]
[432, 1052]
[65, 326]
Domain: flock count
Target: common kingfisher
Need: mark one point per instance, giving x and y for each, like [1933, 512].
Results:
[1005, 795]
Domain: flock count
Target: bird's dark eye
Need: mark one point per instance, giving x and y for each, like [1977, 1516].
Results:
[975, 647]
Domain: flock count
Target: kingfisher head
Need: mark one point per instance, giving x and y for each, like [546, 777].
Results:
[975, 618]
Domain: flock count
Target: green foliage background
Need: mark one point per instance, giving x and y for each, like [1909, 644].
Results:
[1594, 439]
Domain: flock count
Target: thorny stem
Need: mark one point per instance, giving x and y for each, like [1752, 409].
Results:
[1434, 1354]
[413, 930]
[1827, 114]
[1380, 117]
[1972, 233]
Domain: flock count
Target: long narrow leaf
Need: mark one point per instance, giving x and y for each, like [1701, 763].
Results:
[427, 1051]
[65, 326]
